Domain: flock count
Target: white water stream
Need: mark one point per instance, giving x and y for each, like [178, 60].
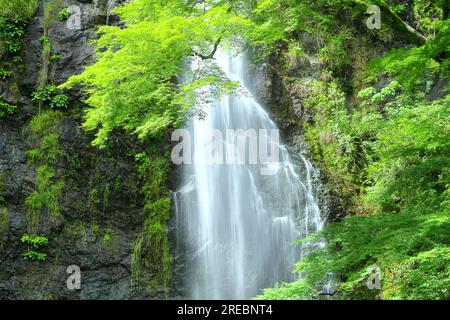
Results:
[237, 224]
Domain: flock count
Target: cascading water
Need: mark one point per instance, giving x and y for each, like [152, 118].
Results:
[237, 224]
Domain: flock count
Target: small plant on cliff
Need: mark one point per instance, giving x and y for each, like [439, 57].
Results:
[12, 30]
[55, 57]
[106, 238]
[35, 241]
[5, 73]
[51, 96]
[18, 9]
[60, 101]
[44, 40]
[33, 255]
[64, 14]
[6, 108]
[45, 94]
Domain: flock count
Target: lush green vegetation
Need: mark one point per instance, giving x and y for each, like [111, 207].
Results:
[44, 131]
[6, 108]
[51, 96]
[64, 14]
[151, 261]
[23, 9]
[14, 16]
[36, 242]
[131, 86]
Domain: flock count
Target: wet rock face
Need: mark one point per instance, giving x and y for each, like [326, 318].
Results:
[96, 227]
[100, 203]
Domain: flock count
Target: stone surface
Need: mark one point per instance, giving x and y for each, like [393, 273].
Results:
[101, 206]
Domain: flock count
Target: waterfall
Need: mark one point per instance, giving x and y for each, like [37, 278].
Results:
[238, 225]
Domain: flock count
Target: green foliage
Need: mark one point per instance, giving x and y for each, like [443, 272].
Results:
[4, 216]
[18, 9]
[51, 96]
[46, 94]
[106, 238]
[278, 20]
[153, 268]
[416, 68]
[412, 171]
[34, 256]
[47, 193]
[384, 148]
[390, 240]
[12, 32]
[35, 241]
[95, 229]
[428, 13]
[5, 73]
[298, 290]
[46, 123]
[55, 57]
[334, 54]
[106, 195]
[403, 166]
[60, 101]
[44, 131]
[6, 108]
[399, 8]
[64, 14]
[426, 276]
[14, 16]
[48, 151]
[131, 85]
[342, 142]
[45, 41]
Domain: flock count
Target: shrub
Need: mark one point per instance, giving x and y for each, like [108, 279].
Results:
[55, 57]
[5, 73]
[51, 96]
[33, 255]
[14, 16]
[60, 101]
[64, 14]
[45, 94]
[35, 241]
[6, 108]
[18, 9]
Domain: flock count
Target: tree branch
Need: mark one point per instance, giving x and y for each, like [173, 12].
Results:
[391, 18]
[415, 35]
[212, 53]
